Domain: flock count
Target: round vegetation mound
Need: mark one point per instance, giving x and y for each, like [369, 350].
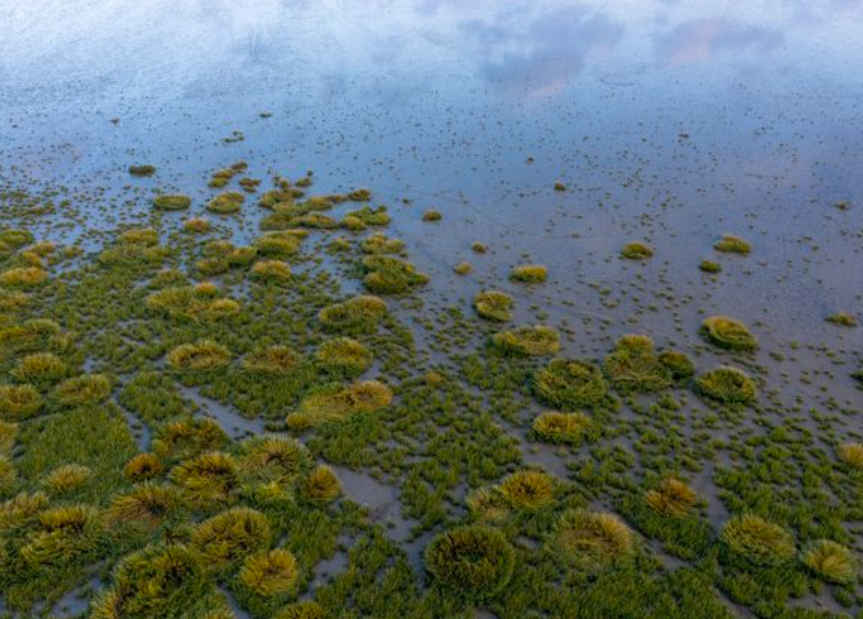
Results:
[344, 354]
[474, 561]
[529, 274]
[672, 497]
[224, 540]
[270, 574]
[208, 481]
[142, 467]
[41, 369]
[555, 427]
[199, 357]
[175, 202]
[728, 333]
[493, 305]
[636, 251]
[321, 486]
[634, 366]
[307, 609]
[271, 271]
[388, 275]
[851, 454]
[23, 277]
[273, 360]
[830, 561]
[682, 368]
[147, 505]
[538, 341]
[590, 540]
[226, 203]
[569, 384]
[528, 489]
[756, 541]
[727, 385]
[67, 478]
[194, 302]
[340, 404]
[18, 402]
[360, 314]
[182, 439]
[730, 244]
[83, 390]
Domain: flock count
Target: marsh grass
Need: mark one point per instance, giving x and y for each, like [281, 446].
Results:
[728, 333]
[494, 305]
[537, 341]
[570, 384]
[476, 562]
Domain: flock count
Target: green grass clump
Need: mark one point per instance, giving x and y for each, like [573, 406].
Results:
[143, 467]
[139, 236]
[728, 333]
[172, 202]
[23, 277]
[8, 436]
[8, 474]
[147, 506]
[64, 535]
[636, 251]
[193, 302]
[708, 266]
[476, 562]
[196, 225]
[432, 215]
[360, 314]
[381, 244]
[272, 360]
[368, 216]
[757, 541]
[271, 271]
[31, 336]
[493, 305]
[851, 454]
[198, 357]
[271, 574]
[570, 384]
[528, 489]
[538, 341]
[682, 368]
[186, 438]
[226, 539]
[83, 390]
[335, 405]
[21, 509]
[529, 274]
[19, 402]
[270, 458]
[142, 170]
[388, 275]
[554, 427]
[16, 238]
[208, 481]
[41, 369]
[843, 319]
[307, 609]
[321, 486]
[360, 195]
[733, 245]
[278, 245]
[591, 540]
[671, 497]
[634, 366]
[727, 385]
[226, 203]
[830, 561]
[344, 355]
[66, 479]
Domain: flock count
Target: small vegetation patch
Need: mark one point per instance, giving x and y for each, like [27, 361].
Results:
[494, 305]
[727, 385]
[554, 427]
[201, 356]
[338, 404]
[538, 341]
[360, 314]
[570, 384]
[733, 245]
[529, 274]
[757, 541]
[476, 562]
[175, 202]
[591, 540]
[728, 333]
[636, 251]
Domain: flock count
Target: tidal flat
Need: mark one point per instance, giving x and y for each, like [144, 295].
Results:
[427, 309]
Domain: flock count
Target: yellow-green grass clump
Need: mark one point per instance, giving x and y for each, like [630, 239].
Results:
[528, 489]
[40, 368]
[529, 274]
[159, 581]
[360, 314]
[271, 458]
[366, 216]
[432, 215]
[278, 244]
[537, 341]
[570, 384]
[380, 244]
[474, 561]
[175, 202]
[208, 480]
[733, 245]
[143, 467]
[227, 538]
[32, 336]
[340, 404]
[226, 203]
[19, 402]
[11, 301]
[8, 474]
[16, 238]
[21, 509]
[851, 454]
[727, 385]
[63, 535]
[671, 497]
[463, 268]
[757, 541]
[147, 506]
[67, 478]
[142, 170]
[306, 609]
[269, 574]
[8, 436]
[388, 275]
[494, 305]
[199, 357]
[728, 333]
[634, 366]
[830, 561]
[201, 301]
[83, 390]
[591, 540]
[636, 251]
[271, 271]
[708, 266]
[345, 355]
[843, 319]
[23, 277]
[273, 360]
[139, 236]
[321, 486]
[556, 427]
[196, 225]
[182, 439]
[682, 368]
[488, 505]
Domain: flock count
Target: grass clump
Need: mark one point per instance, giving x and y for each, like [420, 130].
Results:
[851, 454]
[197, 225]
[634, 366]
[381, 244]
[528, 489]
[18, 402]
[208, 481]
[23, 277]
[493, 305]
[16, 238]
[570, 384]
[224, 540]
[186, 438]
[40, 368]
[226, 203]
[67, 478]
[344, 355]
[83, 390]
[671, 497]
[732, 245]
[271, 271]
[636, 251]
[727, 385]
[432, 215]
[388, 275]
[335, 405]
[193, 302]
[473, 561]
[681, 367]
[590, 540]
[147, 506]
[708, 266]
[529, 274]
[830, 561]
[31, 336]
[538, 341]
[843, 319]
[360, 314]
[272, 360]
[64, 535]
[271, 458]
[757, 541]
[142, 170]
[728, 333]
[321, 486]
[307, 609]
[143, 467]
[198, 357]
[271, 574]
[8, 474]
[176, 202]
[555, 427]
